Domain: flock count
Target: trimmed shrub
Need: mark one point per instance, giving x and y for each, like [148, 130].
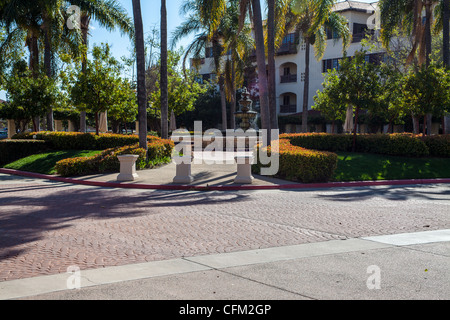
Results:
[300, 164]
[389, 144]
[12, 150]
[107, 161]
[438, 145]
[82, 141]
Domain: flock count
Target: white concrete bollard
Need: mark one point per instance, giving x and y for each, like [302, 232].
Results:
[183, 170]
[244, 170]
[127, 167]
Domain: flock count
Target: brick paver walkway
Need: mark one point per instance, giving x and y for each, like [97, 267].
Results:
[46, 227]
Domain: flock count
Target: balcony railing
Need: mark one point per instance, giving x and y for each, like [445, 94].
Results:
[289, 78]
[287, 48]
[291, 108]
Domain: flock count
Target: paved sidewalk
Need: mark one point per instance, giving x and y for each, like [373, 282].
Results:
[367, 268]
[298, 244]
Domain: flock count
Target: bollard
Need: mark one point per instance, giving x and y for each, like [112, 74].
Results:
[183, 170]
[127, 167]
[244, 170]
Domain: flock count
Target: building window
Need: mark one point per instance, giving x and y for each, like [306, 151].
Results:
[209, 52]
[290, 38]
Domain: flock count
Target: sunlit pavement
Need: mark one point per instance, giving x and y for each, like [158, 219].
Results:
[46, 227]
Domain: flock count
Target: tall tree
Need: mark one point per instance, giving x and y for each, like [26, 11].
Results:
[140, 62]
[110, 15]
[164, 74]
[314, 18]
[207, 19]
[446, 49]
[254, 8]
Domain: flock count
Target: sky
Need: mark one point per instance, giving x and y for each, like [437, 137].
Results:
[121, 45]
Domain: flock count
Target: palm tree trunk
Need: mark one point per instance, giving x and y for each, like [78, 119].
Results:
[233, 96]
[271, 62]
[306, 87]
[446, 51]
[84, 21]
[223, 102]
[48, 71]
[164, 77]
[140, 61]
[261, 63]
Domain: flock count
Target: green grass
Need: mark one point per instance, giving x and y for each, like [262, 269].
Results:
[45, 162]
[368, 167]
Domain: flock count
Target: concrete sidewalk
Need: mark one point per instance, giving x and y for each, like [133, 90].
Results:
[395, 267]
[219, 169]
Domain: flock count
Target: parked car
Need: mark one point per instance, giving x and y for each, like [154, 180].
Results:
[3, 134]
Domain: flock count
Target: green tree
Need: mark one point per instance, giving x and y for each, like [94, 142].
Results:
[425, 91]
[331, 101]
[100, 88]
[183, 90]
[29, 97]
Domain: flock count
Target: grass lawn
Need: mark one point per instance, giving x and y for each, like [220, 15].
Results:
[367, 167]
[45, 162]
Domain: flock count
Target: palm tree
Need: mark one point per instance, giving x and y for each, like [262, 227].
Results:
[206, 18]
[446, 48]
[314, 17]
[254, 7]
[110, 15]
[277, 11]
[140, 61]
[446, 31]
[164, 77]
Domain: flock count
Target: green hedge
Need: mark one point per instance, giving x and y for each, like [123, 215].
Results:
[107, 161]
[390, 144]
[299, 164]
[12, 150]
[82, 141]
[438, 145]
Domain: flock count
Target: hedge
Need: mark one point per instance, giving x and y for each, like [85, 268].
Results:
[107, 161]
[82, 141]
[438, 145]
[12, 150]
[406, 145]
[300, 164]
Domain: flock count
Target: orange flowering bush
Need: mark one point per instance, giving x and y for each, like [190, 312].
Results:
[107, 161]
[303, 165]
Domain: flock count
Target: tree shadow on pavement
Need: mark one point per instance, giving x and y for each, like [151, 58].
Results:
[27, 214]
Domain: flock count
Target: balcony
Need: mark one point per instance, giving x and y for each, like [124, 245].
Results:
[287, 48]
[291, 108]
[288, 78]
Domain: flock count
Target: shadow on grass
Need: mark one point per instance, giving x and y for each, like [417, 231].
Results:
[44, 163]
[371, 167]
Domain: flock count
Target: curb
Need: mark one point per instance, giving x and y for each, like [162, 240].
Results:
[292, 186]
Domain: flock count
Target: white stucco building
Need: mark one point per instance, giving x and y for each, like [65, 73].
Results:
[290, 59]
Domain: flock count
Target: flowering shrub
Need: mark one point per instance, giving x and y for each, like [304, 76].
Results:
[303, 165]
[82, 141]
[107, 161]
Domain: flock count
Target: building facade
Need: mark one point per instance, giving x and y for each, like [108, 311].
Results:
[290, 58]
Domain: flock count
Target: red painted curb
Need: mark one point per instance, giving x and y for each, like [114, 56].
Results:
[225, 188]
